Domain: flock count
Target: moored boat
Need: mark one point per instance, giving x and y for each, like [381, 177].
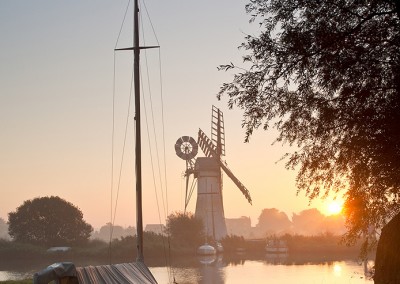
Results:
[276, 246]
[206, 249]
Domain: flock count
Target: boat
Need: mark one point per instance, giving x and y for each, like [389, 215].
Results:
[219, 247]
[126, 273]
[276, 246]
[206, 249]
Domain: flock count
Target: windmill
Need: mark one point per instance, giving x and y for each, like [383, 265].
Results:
[207, 174]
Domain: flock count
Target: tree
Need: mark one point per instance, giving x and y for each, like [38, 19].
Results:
[50, 221]
[309, 222]
[272, 221]
[185, 229]
[326, 75]
[232, 243]
[312, 222]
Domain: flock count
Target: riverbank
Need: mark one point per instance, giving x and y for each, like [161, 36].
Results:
[26, 258]
[13, 254]
[26, 281]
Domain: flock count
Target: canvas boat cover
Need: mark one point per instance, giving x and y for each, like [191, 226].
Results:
[124, 273]
[135, 272]
[56, 272]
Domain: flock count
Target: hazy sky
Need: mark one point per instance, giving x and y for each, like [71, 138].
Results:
[56, 82]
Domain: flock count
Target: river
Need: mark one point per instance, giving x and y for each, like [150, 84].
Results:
[217, 270]
[258, 271]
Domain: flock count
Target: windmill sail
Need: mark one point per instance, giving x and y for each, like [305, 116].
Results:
[210, 150]
[218, 130]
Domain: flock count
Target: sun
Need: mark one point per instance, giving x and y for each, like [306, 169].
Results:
[334, 207]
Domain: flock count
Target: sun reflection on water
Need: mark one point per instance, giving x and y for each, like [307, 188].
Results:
[337, 270]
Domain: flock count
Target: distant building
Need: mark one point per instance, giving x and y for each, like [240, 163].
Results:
[155, 228]
[117, 232]
[238, 226]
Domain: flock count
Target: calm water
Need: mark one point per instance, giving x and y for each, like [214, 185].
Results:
[216, 270]
[260, 271]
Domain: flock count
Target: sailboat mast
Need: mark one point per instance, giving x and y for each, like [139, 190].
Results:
[138, 149]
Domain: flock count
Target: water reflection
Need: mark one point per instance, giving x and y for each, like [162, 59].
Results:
[337, 269]
[278, 268]
[211, 269]
[207, 259]
[277, 258]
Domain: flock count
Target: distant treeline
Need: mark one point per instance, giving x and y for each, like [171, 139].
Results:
[270, 221]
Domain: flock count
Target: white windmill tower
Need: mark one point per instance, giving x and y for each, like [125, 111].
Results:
[207, 172]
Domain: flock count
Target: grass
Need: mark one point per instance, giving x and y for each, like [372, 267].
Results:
[26, 281]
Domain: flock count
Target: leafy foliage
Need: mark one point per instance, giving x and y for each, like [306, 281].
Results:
[154, 246]
[49, 221]
[271, 220]
[185, 229]
[326, 74]
[232, 243]
[312, 222]
[323, 245]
